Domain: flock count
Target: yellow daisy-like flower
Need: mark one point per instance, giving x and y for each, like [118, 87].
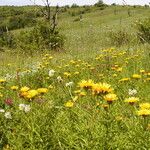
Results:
[110, 98]
[119, 69]
[102, 88]
[67, 74]
[82, 94]
[131, 100]
[23, 94]
[24, 89]
[145, 106]
[142, 71]
[148, 73]
[14, 88]
[136, 76]
[32, 94]
[143, 112]
[2, 80]
[42, 90]
[69, 104]
[86, 84]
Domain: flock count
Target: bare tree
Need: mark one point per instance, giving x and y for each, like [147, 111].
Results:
[50, 16]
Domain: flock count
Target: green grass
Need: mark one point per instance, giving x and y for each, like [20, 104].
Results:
[74, 117]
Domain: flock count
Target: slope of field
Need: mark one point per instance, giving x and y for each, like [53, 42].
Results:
[93, 95]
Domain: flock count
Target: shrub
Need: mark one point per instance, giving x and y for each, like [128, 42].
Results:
[120, 37]
[17, 22]
[7, 39]
[40, 37]
[143, 32]
[74, 6]
[100, 4]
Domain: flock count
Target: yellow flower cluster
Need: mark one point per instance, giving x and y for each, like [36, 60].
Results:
[131, 100]
[28, 93]
[97, 88]
[110, 98]
[102, 88]
[144, 109]
[86, 84]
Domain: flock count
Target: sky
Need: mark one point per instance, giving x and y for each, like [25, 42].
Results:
[69, 2]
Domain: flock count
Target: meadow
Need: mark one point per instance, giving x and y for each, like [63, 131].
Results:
[92, 95]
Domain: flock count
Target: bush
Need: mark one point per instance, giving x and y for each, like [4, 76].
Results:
[17, 22]
[143, 32]
[40, 37]
[74, 6]
[100, 4]
[120, 37]
[7, 39]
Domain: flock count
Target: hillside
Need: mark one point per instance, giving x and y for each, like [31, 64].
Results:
[90, 93]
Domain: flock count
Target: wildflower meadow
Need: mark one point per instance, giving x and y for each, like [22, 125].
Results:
[91, 96]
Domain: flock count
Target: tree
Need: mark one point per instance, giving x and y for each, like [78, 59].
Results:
[100, 3]
[50, 16]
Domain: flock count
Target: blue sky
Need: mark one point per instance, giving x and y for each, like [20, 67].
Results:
[69, 2]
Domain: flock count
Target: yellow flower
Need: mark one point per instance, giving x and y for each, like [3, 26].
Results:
[86, 84]
[119, 118]
[24, 89]
[119, 69]
[105, 106]
[124, 79]
[76, 73]
[147, 79]
[2, 80]
[145, 106]
[110, 98]
[77, 65]
[75, 98]
[51, 87]
[23, 94]
[1, 95]
[114, 75]
[50, 57]
[131, 100]
[67, 74]
[72, 62]
[136, 76]
[143, 112]
[142, 71]
[14, 88]
[77, 91]
[69, 104]
[102, 88]
[42, 90]
[82, 94]
[46, 55]
[31, 94]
